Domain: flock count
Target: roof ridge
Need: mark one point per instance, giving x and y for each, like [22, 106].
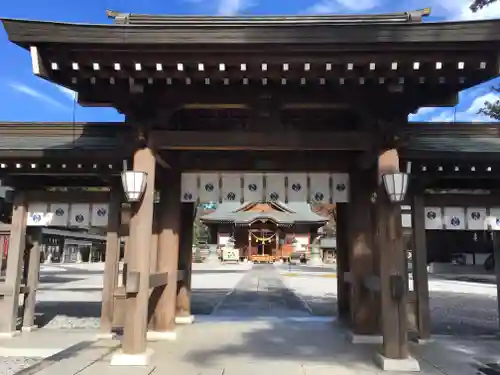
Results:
[414, 16]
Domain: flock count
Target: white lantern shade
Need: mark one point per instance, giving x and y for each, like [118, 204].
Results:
[395, 185]
[134, 184]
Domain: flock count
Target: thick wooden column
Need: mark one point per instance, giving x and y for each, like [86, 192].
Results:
[168, 256]
[419, 263]
[153, 266]
[111, 262]
[33, 262]
[343, 292]
[10, 303]
[393, 273]
[183, 313]
[363, 302]
[134, 338]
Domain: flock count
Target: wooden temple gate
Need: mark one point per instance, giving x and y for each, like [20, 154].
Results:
[311, 94]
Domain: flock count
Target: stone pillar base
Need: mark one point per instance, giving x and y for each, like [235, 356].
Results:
[105, 336]
[189, 319]
[161, 336]
[122, 359]
[409, 364]
[419, 341]
[364, 339]
[9, 335]
[29, 328]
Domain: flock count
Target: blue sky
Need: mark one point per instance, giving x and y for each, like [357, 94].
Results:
[29, 98]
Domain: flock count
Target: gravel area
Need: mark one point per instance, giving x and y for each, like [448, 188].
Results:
[12, 365]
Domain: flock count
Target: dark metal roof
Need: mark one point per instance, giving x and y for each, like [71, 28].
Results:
[473, 139]
[343, 19]
[294, 212]
[420, 138]
[370, 35]
[62, 136]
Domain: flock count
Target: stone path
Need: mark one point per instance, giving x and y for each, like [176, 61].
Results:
[261, 293]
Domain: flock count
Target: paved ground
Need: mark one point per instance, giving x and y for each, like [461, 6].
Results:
[266, 323]
[70, 295]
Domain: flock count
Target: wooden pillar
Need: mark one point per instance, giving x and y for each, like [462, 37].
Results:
[153, 265]
[183, 303]
[10, 303]
[111, 262]
[363, 302]
[342, 261]
[419, 263]
[392, 262]
[168, 256]
[134, 337]
[33, 263]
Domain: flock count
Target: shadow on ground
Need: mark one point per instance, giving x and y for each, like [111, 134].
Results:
[203, 302]
[57, 279]
[279, 343]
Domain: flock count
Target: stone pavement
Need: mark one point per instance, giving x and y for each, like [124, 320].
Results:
[267, 345]
[69, 295]
[264, 324]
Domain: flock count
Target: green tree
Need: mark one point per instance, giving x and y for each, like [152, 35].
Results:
[490, 109]
[480, 4]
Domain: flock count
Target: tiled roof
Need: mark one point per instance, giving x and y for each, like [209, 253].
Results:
[299, 212]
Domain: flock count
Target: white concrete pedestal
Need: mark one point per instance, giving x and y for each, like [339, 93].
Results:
[122, 359]
[29, 328]
[105, 336]
[9, 335]
[184, 319]
[161, 336]
[409, 364]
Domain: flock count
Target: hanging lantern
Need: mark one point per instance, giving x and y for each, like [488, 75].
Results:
[134, 185]
[396, 185]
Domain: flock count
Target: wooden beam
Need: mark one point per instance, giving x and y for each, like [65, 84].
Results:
[461, 200]
[227, 96]
[222, 141]
[161, 162]
[37, 64]
[135, 327]
[158, 279]
[306, 161]
[7, 290]
[133, 282]
[68, 196]
[111, 263]
[419, 263]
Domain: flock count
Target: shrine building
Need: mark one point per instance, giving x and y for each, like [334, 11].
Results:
[265, 231]
[251, 107]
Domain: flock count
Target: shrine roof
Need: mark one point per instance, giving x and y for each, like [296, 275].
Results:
[135, 29]
[293, 212]
[427, 139]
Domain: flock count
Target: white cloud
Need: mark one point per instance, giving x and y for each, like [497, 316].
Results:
[27, 90]
[459, 10]
[478, 103]
[335, 6]
[231, 7]
[69, 93]
[222, 7]
[446, 115]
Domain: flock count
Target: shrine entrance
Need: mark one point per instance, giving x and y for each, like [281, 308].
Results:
[263, 242]
[278, 96]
